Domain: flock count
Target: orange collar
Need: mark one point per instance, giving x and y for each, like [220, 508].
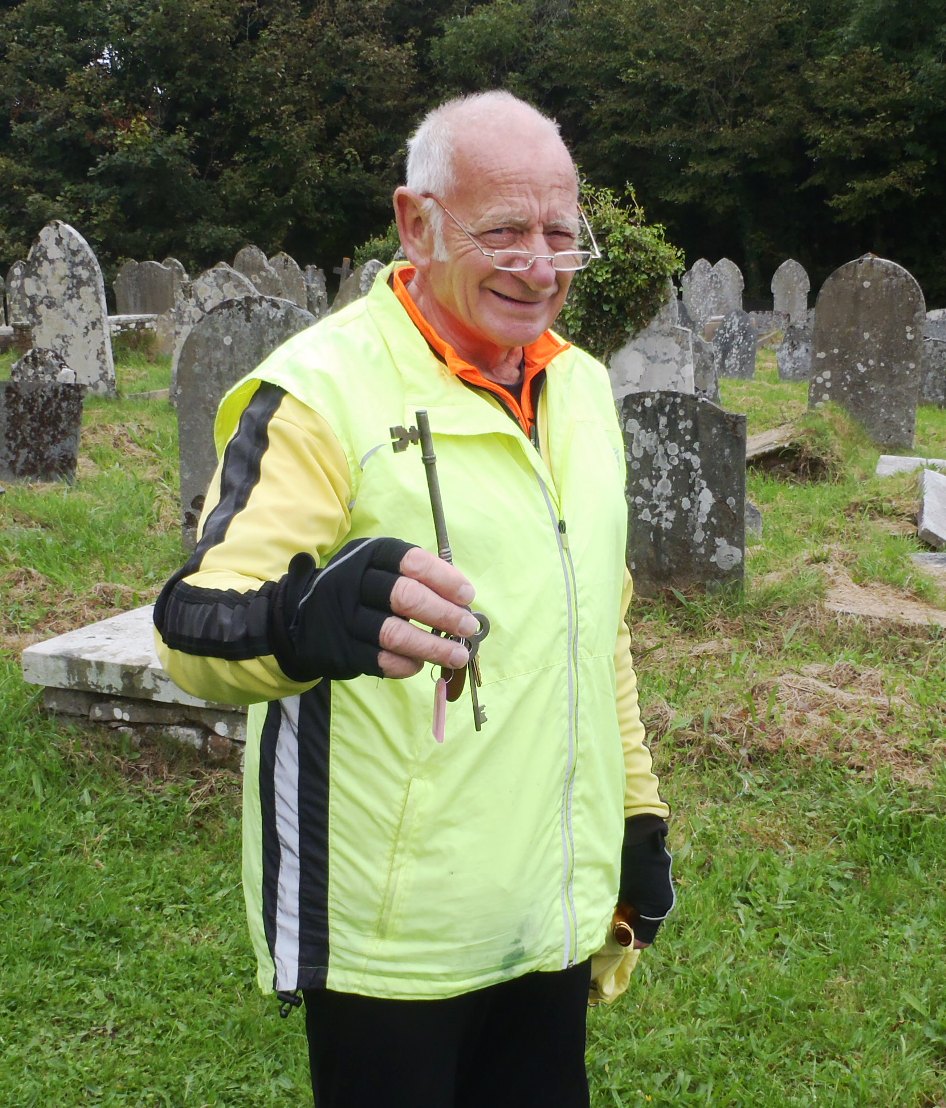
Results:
[537, 355]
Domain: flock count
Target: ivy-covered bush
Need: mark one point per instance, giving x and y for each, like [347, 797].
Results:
[381, 248]
[620, 293]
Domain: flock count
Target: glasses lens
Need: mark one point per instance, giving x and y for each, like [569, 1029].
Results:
[565, 261]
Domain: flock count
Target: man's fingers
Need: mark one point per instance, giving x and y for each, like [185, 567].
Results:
[412, 599]
[403, 639]
[439, 576]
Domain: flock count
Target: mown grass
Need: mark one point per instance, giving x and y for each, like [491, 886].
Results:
[802, 751]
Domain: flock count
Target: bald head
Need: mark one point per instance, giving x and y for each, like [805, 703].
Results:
[463, 126]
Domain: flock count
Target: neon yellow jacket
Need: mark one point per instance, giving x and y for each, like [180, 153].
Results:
[377, 861]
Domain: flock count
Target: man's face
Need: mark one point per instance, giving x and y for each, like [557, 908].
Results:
[517, 192]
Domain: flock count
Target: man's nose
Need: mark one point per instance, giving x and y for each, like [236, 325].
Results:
[541, 275]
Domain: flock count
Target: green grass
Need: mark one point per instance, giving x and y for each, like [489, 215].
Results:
[802, 752]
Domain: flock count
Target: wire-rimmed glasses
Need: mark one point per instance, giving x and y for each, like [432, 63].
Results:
[518, 261]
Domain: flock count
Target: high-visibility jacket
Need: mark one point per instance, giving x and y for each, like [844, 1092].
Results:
[376, 860]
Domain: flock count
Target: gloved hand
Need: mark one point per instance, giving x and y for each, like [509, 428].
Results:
[327, 622]
[646, 878]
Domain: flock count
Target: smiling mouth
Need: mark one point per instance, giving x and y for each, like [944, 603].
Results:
[516, 300]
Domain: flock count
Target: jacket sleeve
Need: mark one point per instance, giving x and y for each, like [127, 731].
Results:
[283, 485]
[640, 792]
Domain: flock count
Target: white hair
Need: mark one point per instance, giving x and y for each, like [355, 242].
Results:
[431, 148]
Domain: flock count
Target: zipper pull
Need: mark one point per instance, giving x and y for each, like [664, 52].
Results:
[563, 533]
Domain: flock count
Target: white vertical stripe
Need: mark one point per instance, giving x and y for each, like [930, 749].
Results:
[286, 952]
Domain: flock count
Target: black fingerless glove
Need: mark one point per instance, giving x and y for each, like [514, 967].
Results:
[326, 622]
[646, 880]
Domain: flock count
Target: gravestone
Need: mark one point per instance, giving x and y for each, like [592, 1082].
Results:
[254, 265]
[734, 347]
[933, 362]
[3, 303]
[726, 285]
[356, 284]
[40, 423]
[180, 273]
[67, 309]
[866, 347]
[291, 278]
[658, 357]
[793, 356]
[697, 293]
[221, 348]
[197, 297]
[44, 366]
[705, 381]
[316, 294]
[931, 524]
[686, 491]
[146, 288]
[18, 305]
[790, 288]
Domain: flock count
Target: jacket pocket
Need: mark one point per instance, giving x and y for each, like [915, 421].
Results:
[399, 860]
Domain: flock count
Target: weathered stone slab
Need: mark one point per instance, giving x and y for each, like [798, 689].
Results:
[315, 291]
[790, 288]
[18, 305]
[931, 525]
[659, 357]
[210, 288]
[734, 347]
[356, 284]
[116, 658]
[67, 309]
[220, 349]
[3, 303]
[705, 381]
[793, 356]
[40, 424]
[866, 347]
[933, 364]
[767, 324]
[147, 288]
[686, 491]
[291, 278]
[933, 565]
[697, 293]
[254, 265]
[889, 464]
[727, 286]
[43, 366]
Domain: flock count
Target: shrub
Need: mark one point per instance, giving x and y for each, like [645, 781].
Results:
[621, 292]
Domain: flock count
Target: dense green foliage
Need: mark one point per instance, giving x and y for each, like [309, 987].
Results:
[755, 129]
[623, 290]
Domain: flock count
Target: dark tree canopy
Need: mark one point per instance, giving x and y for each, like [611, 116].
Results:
[755, 129]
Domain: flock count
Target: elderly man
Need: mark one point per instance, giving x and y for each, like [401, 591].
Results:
[431, 875]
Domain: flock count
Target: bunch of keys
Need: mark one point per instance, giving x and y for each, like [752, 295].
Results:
[449, 685]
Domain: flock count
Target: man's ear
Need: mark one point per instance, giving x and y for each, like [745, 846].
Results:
[413, 227]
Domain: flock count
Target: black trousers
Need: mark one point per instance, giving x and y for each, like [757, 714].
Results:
[512, 1045]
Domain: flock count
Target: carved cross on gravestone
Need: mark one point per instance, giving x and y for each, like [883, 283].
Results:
[343, 270]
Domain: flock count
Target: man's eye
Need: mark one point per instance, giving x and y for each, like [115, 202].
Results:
[561, 240]
[499, 237]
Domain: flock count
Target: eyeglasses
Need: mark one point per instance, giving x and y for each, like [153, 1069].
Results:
[518, 261]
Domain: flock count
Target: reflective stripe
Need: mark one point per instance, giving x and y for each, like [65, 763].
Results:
[286, 783]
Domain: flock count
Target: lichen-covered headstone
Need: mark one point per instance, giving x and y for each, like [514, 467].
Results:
[67, 309]
[146, 288]
[933, 362]
[197, 297]
[40, 424]
[697, 293]
[866, 347]
[316, 292]
[44, 366]
[790, 288]
[18, 306]
[726, 285]
[221, 348]
[931, 522]
[793, 355]
[734, 346]
[659, 356]
[253, 264]
[3, 302]
[357, 284]
[290, 277]
[686, 491]
[705, 381]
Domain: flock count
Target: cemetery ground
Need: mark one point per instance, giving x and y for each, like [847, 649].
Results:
[801, 749]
